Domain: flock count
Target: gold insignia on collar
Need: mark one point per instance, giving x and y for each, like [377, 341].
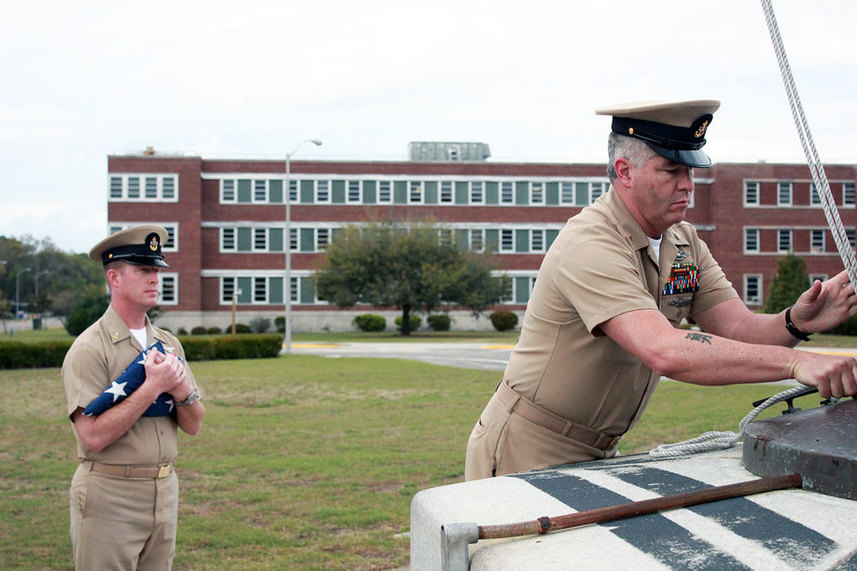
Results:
[677, 235]
[116, 336]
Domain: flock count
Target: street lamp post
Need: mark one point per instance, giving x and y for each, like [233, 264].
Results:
[287, 245]
[18, 291]
[39, 313]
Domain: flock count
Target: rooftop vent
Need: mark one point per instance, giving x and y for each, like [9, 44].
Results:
[447, 151]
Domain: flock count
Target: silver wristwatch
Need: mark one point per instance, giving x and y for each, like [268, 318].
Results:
[190, 399]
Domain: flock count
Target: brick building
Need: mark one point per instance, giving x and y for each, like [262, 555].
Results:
[226, 220]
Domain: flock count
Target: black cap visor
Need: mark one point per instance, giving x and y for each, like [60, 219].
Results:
[692, 158]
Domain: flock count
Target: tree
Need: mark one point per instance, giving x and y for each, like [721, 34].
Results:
[406, 266]
[788, 283]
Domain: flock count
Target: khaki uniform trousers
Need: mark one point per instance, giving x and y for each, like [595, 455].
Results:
[504, 442]
[123, 523]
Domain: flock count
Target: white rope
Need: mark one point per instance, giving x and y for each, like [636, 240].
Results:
[713, 440]
[840, 238]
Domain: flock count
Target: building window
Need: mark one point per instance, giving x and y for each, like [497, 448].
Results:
[260, 191]
[169, 289]
[294, 196]
[227, 290]
[446, 194]
[477, 240]
[507, 192]
[149, 188]
[355, 191]
[753, 289]
[322, 238]
[294, 239]
[784, 241]
[445, 237]
[227, 191]
[507, 240]
[819, 277]
[814, 197]
[477, 194]
[848, 194]
[596, 189]
[537, 193]
[227, 240]
[784, 194]
[537, 240]
[322, 191]
[751, 240]
[816, 241]
[415, 192]
[260, 239]
[566, 193]
[294, 290]
[260, 290]
[385, 191]
[751, 193]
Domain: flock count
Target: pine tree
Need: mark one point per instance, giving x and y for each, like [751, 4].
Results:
[788, 283]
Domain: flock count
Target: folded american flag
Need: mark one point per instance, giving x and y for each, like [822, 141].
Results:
[128, 382]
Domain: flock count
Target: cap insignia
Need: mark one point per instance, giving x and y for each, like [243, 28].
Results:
[153, 242]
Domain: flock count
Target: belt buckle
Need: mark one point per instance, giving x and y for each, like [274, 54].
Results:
[163, 471]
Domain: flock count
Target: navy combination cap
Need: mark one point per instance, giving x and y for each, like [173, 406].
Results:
[138, 245]
[676, 131]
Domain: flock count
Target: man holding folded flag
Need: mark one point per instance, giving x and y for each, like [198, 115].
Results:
[129, 390]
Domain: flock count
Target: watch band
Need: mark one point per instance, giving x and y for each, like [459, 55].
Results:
[792, 328]
[189, 400]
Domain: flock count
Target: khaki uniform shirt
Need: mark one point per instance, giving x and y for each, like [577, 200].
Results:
[600, 266]
[96, 358]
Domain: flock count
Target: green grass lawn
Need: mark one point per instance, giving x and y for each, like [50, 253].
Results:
[303, 462]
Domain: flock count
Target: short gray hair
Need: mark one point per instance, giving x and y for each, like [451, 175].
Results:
[636, 151]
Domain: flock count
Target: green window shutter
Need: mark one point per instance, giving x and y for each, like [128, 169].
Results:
[307, 191]
[307, 240]
[462, 192]
[275, 240]
[552, 193]
[522, 289]
[581, 193]
[492, 240]
[462, 239]
[430, 192]
[275, 290]
[522, 193]
[522, 240]
[307, 290]
[550, 236]
[337, 192]
[370, 191]
[275, 191]
[245, 239]
[492, 192]
[245, 190]
[400, 192]
[246, 287]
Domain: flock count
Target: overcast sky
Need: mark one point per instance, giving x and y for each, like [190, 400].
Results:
[82, 80]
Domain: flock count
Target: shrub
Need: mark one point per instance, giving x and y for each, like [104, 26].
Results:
[198, 330]
[18, 355]
[280, 324]
[439, 322]
[414, 322]
[181, 331]
[504, 320]
[260, 325]
[214, 331]
[370, 322]
[242, 328]
[85, 314]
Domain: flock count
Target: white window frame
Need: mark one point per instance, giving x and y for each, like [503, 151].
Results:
[416, 192]
[259, 191]
[173, 277]
[446, 192]
[537, 241]
[511, 248]
[223, 238]
[566, 193]
[123, 180]
[785, 193]
[476, 243]
[596, 189]
[477, 192]
[385, 196]
[322, 239]
[537, 192]
[266, 287]
[751, 236]
[814, 195]
[752, 189]
[787, 234]
[817, 241]
[350, 186]
[757, 278]
[848, 194]
[232, 289]
[225, 192]
[260, 234]
[507, 192]
[322, 191]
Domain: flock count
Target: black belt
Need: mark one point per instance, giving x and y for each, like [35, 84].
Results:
[555, 423]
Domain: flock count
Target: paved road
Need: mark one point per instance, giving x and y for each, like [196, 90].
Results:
[466, 355]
